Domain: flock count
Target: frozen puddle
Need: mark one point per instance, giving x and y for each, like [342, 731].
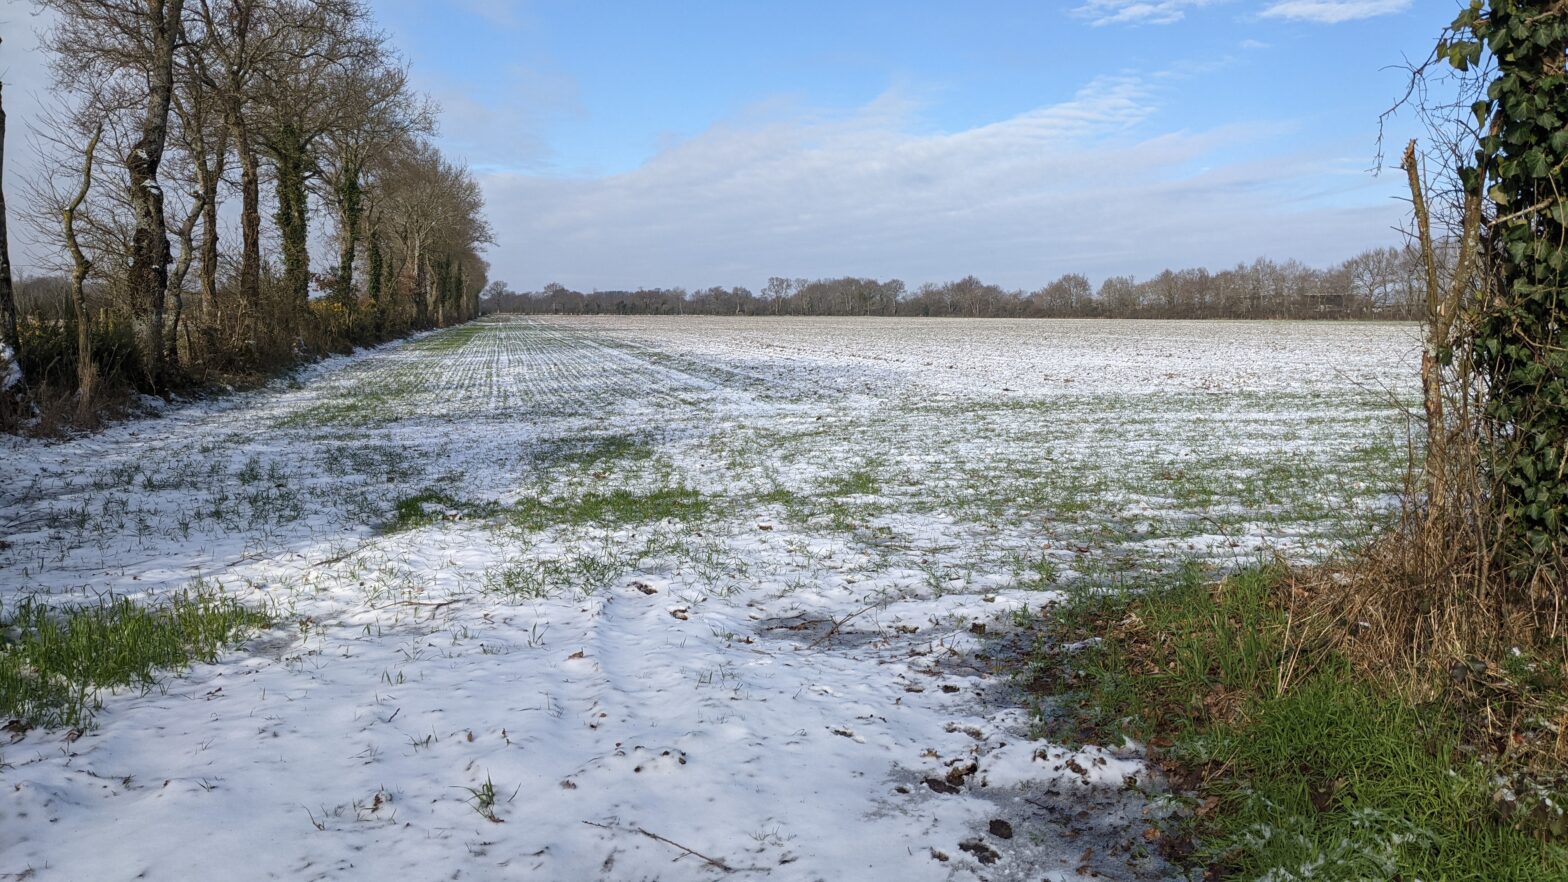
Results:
[690, 600]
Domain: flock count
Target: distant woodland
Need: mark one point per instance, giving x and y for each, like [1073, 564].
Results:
[1384, 283]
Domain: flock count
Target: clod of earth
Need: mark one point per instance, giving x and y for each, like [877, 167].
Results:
[941, 786]
[983, 853]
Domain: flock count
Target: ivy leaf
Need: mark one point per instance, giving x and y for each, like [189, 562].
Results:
[1458, 58]
[1535, 161]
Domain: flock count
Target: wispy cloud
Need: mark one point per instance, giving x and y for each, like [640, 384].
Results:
[1081, 185]
[1333, 11]
[495, 119]
[504, 13]
[1106, 12]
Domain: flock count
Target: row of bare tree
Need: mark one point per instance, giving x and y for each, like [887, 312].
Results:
[1380, 283]
[180, 121]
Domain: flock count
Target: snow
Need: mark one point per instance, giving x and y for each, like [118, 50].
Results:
[772, 686]
[10, 371]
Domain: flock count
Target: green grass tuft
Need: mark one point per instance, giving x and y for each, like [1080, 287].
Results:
[1301, 769]
[532, 579]
[860, 482]
[55, 662]
[596, 452]
[612, 508]
[429, 506]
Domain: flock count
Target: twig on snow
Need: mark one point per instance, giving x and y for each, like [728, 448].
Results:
[841, 623]
[434, 607]
[344, 556]
[711, 861]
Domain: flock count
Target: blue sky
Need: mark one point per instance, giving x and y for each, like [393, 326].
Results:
[707, 143]
[719, 143]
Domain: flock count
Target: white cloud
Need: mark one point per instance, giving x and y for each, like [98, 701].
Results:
[497, 121]
[1104, 12]
[1074, 186]
[1333, 11]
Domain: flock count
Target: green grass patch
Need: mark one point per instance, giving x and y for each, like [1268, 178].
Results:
[584, 570]
[780, 495]
[594, 453]
[1037, 572]
[615, 507]
[56, 662]
[1297, 768]
[430, 506]
[860, 482]
[449, 340]
[359, 406]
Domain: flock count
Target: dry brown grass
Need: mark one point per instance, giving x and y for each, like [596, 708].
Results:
[1440, 609]
[55, 412]
[1432, 612]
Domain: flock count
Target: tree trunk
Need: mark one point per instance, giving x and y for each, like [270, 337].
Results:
[292, 223]
[1436, 461]
[208, 177]
[437, 282]
[86, 371]
[373, 275]
[149, 269]
[350, 208]
[8, 331]
[374, 268]
[1441, 310]
[421, 304]
[250, 219]
[182, 267]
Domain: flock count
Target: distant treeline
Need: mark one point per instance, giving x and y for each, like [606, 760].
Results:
[1381, 283]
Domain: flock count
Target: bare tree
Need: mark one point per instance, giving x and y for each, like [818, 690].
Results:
[377, 110]
[1443, 300]
[233, 43]
[435, 211]
[184, 234]
[8, 329]
[204, 139]
[86, 371]
[131, 47]
[176, 96]
[324, 42]
[150, 245]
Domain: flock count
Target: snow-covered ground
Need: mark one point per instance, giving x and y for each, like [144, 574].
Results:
[698, 597]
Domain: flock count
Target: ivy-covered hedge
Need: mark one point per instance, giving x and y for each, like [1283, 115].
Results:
[1522, 340]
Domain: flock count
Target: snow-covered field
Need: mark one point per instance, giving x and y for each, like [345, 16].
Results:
[698, 597]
